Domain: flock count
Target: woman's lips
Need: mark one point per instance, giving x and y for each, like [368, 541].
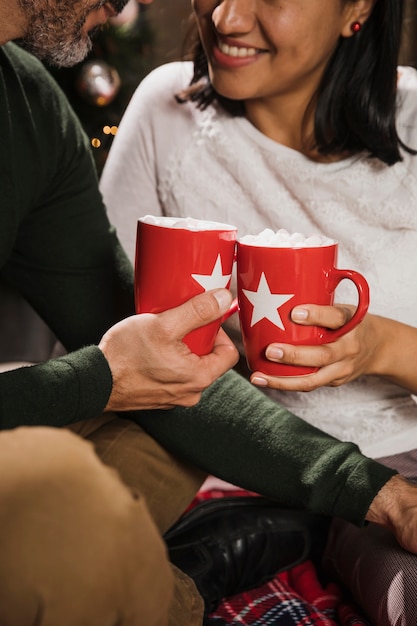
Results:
[236, 51]
[233, 54]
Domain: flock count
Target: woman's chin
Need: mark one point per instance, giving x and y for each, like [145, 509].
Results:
[232, 93]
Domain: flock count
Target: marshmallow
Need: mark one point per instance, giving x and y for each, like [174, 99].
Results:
[185, 223]
[283, 239]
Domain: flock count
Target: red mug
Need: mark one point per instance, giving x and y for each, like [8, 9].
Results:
[271, 282]
[178, 258]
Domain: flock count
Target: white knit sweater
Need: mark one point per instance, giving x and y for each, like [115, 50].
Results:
[173, 159]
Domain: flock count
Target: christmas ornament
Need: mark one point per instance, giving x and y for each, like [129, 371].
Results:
[98, 82]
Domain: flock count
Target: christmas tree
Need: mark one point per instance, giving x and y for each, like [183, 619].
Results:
[125, 50]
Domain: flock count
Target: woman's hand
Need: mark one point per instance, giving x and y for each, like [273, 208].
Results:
[376, 346]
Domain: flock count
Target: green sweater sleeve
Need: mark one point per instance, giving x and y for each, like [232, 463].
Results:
[57, 247]
[241, 436]
[58, 392]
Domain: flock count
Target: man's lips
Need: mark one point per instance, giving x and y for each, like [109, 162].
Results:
[115, 6]
[102, 12]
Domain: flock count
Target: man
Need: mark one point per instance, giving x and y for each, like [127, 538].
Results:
[80, 543]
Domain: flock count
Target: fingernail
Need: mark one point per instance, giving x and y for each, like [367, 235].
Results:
[224, 298]
[274, 353]
[299, 314]
[258, 381]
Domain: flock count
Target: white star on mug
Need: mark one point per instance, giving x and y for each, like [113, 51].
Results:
[216, 279]
[266, 304]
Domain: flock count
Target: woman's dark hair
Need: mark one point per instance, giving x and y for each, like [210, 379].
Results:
[356, 100]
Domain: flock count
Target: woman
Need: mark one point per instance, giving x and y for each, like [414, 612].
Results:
[294, 115]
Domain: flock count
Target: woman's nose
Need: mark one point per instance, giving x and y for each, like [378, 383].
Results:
[233, 17]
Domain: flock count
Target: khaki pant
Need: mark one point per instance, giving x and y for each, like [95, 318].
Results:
[80, 543]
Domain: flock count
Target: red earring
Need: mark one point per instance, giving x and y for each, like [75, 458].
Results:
[355, 27]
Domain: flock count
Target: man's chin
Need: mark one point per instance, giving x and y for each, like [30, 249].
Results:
[63, 55]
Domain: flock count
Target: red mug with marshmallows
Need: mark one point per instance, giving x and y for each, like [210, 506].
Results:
[178, 258]
[275, 276]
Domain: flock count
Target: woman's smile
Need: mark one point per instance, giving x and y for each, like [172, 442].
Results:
[261, 50]
[234, 54]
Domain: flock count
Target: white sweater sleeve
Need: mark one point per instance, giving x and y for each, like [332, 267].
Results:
[152, 127]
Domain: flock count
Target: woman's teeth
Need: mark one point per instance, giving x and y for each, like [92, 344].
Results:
[234, 51]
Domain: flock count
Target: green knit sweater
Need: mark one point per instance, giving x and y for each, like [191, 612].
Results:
[59, 251]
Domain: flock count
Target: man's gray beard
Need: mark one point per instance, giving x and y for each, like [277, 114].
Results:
[53, 38]
[62, 49]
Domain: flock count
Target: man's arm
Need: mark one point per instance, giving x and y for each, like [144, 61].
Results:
[146, 365]
[238, 434]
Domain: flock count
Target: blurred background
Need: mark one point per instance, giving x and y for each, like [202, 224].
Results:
[409, 48]
[138, 40]
[129, 46]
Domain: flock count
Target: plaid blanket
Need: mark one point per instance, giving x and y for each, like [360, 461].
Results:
[293, 598]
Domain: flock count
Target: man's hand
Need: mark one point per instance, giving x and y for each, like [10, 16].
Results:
[153, 368]
[395, 507]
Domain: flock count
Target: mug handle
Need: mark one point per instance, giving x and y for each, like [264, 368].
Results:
[335, 276]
